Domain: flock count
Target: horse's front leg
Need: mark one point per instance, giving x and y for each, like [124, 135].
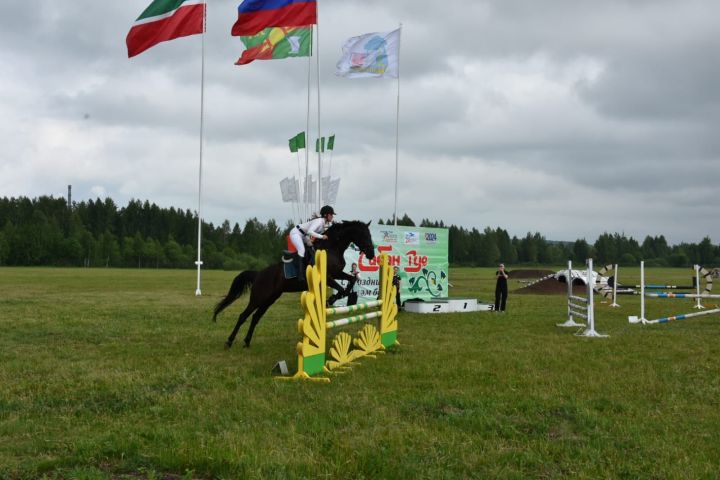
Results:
[341, 292]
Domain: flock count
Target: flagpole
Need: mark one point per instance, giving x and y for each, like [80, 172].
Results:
[199, 262]
[306, 197]
[397, 128]
[297, 189]
[317, 51]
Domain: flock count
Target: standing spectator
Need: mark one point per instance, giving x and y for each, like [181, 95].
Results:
[353, 296]
[396, 283]
[501, 289]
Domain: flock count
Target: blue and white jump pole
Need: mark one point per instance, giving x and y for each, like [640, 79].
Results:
[698, 296]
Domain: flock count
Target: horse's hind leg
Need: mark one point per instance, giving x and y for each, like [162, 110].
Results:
[241, 319]
[256, 317]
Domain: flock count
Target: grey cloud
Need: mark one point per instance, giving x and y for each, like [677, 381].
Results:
[493, 100]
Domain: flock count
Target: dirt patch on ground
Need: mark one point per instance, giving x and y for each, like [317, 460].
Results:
[516, 274]
[550, 286]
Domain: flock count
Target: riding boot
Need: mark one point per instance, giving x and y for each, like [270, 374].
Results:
[302, 266]
[310, 256]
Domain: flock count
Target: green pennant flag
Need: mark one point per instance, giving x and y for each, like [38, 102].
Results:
[331, 142]
[293, 144]
[300, 139]
[320, 144]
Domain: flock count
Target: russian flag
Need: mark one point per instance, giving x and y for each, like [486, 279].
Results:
[257, 15]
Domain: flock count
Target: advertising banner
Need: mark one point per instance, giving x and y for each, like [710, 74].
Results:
[420, 254]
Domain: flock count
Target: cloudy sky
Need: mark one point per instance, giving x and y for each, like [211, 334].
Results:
[567, 117]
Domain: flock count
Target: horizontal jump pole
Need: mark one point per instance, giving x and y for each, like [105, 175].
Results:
[579, 299]
[357, 318]
[354, 308]
[578, 314]
[681, 317]
[668, 287]
[579, 307]
[680, 295]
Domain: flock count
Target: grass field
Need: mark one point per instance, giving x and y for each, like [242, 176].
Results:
[122, 374]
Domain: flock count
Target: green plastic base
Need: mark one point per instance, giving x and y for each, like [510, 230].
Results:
[314, 364]
[389, 339]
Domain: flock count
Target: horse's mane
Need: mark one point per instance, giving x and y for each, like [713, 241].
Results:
[341, 230]
[335, 227]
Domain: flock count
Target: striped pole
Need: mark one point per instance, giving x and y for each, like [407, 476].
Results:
[655, 286]
[681, 317]
[354, 308]
[680, 295]
[347, 321]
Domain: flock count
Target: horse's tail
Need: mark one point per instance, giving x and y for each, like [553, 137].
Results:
[238, 287]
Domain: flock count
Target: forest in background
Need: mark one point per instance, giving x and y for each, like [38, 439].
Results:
[99, 233]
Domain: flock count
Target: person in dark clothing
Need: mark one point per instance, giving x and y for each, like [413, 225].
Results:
[353, 296]
[396, 282]
[501, 289]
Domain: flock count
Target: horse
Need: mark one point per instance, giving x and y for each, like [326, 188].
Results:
[267, 285]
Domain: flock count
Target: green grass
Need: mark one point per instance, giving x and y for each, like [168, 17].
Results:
[122, 374]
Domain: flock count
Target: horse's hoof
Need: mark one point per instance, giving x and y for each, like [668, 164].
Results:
[228, 345]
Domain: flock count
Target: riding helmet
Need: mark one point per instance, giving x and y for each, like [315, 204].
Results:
[327, 209]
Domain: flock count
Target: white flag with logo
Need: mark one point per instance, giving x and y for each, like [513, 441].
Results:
[310, 192]
[371, 55]
[289, 190]
[330, 189]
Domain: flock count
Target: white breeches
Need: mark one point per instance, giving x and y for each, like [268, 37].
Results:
[297, 239]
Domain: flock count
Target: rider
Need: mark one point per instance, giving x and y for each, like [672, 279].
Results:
[313, 229]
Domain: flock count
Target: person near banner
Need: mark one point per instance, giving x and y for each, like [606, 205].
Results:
[501, 288]
[396, 283]
[303, 234]
[353, 296]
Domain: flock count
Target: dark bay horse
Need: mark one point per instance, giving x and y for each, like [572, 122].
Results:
[267, 285]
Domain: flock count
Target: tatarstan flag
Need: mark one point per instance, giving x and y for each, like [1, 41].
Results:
[257, 15]
[277, 42]
[165, 20]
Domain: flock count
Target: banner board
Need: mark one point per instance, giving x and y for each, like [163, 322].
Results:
[421, 255]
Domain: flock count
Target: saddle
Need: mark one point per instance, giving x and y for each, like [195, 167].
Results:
[293, 264]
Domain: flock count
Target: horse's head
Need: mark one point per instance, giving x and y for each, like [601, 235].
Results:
[364, 240]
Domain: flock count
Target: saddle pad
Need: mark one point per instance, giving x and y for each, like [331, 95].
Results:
[290, 270]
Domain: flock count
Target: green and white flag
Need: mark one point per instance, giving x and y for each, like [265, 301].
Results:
[331, 142]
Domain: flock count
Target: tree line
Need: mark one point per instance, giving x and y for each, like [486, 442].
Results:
[99, 233]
